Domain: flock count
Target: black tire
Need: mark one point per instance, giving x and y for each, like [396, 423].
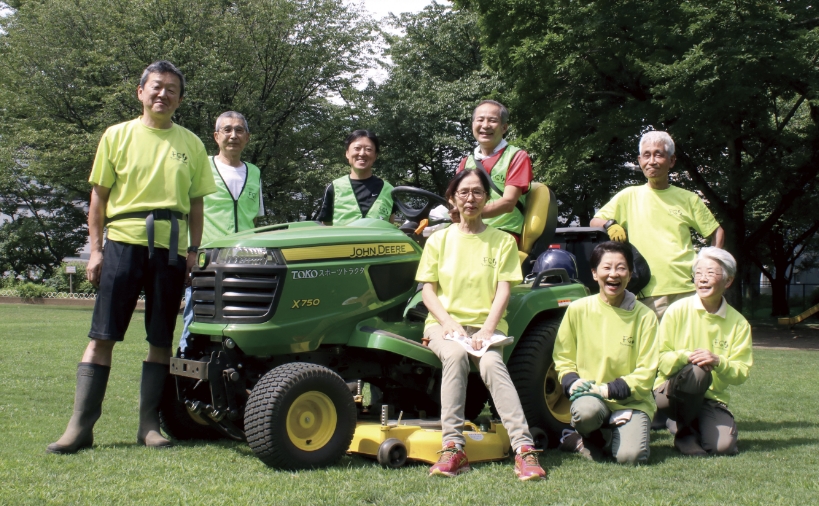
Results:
[392, 453]
[178, 422]
[532, 370]
[273, 425]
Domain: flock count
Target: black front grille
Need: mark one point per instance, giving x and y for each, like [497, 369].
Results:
[235, 293]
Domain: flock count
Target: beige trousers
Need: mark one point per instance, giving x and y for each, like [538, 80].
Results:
[494, 374]
[660, 303]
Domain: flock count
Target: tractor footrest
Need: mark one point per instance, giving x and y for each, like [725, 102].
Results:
[189, 368]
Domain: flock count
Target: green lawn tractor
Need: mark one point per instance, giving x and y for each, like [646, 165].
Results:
[287, 317]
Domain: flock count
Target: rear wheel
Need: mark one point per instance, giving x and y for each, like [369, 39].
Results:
[299, 416]
[533, 373]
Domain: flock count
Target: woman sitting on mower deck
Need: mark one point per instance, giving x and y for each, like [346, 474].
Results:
[704, 345]
[606, 359]
[467, 271]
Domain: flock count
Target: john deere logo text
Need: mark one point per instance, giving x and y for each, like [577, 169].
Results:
[489, 262]
[627, 341]
[377, 250]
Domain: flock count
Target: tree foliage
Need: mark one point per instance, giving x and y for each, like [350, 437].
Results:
[734, 82]
[68, 70]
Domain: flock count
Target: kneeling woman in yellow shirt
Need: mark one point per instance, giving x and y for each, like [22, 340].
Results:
[467, 270]
[704, 346]
[606, 360]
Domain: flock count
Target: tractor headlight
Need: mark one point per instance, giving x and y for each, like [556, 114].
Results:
[202, 259]
[247, 256]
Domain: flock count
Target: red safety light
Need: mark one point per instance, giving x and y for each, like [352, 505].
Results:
[554, 246]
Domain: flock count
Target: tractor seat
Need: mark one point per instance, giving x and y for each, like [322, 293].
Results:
[539, 224]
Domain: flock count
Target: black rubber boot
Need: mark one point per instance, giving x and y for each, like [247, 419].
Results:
[92, 380]
[150, 395]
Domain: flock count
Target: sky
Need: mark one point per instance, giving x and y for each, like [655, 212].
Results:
[380, 8]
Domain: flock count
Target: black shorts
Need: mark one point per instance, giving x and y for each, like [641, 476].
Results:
[126, 271]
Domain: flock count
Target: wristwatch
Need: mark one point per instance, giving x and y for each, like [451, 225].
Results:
[193, 249]
[609, 223]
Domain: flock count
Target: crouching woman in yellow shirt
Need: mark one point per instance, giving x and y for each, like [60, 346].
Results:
[606, 360]
[467, 270]
[704, 346]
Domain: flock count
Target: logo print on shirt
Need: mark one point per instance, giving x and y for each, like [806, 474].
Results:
[627, 341]
[179, 157]
[721, 343]
[251, 195]
[489, 262]
[675, 211]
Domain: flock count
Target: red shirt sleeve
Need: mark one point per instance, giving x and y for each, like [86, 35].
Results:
[462, 165]
[519, 174]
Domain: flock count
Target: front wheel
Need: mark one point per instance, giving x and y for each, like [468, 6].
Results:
[533, 373]
[299, 416]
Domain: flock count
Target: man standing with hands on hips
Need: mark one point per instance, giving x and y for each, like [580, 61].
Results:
[238, 198]
[149, 178]
[656, 218]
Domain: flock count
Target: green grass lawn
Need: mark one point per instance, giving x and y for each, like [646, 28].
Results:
[776, 411]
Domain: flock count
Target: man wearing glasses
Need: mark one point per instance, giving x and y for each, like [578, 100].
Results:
[149, 178]
[509, 168]
[238, 198]
[656, 218]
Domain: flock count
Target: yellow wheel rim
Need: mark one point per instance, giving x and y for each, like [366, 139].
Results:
[311, 421]
[558, 404]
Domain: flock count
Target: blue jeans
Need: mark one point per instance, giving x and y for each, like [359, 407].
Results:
[187, 319]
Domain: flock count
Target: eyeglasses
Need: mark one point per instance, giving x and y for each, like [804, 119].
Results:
[464, 194]
[229, 130]
[712, 275]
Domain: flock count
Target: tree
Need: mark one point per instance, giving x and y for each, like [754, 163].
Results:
[790, 240]
[423, 110]
[734, 82]
[68, 70]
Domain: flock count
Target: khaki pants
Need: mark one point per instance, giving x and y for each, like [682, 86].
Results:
[629, 442]
[494, 374]
[682, 398]
[660, 303]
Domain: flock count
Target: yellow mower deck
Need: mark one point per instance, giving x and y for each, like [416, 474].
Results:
[422, 443]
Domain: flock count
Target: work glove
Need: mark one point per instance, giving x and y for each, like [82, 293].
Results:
[577, 384]
[616, 233]
[590, 388]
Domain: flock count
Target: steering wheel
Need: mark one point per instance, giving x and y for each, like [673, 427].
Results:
[414, 214]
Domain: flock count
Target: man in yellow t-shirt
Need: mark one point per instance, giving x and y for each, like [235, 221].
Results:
[704, 346]
[656, 218]
[149, 178]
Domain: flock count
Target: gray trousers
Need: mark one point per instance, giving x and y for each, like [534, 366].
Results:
[494, 374]
[682, 398]
[629, 442]
[660, 303]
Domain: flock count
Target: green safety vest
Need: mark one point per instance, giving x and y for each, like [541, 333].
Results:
[345, 205]
[223, 215]
[512, 221]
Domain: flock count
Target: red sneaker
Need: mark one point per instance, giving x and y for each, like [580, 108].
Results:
[452, 461]
[526, 464]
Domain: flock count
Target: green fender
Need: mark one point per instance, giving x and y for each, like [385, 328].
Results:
[398, 338]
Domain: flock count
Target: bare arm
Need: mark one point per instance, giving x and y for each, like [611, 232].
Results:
[429, 294]
[196, 220]
[96, 225]
[505, 204]
[597, 222]
[499, 303]
[718, 238]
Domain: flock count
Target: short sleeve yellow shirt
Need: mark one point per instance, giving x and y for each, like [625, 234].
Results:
[467, 268]
[658, 223]
[146, 169]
